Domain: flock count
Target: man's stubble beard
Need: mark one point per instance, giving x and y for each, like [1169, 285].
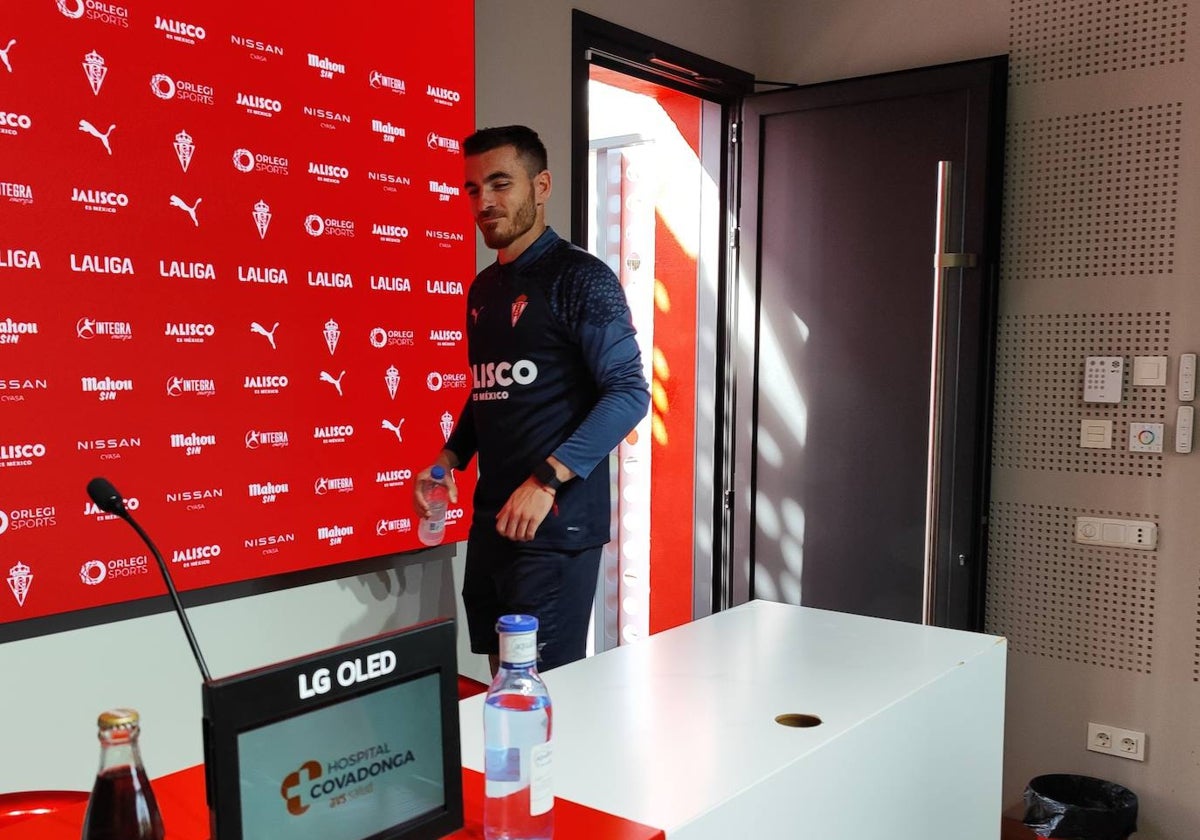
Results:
[521, 224]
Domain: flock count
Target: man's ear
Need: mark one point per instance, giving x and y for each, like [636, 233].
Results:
[542, 186]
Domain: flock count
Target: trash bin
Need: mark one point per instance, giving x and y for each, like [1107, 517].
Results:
[1079, 807]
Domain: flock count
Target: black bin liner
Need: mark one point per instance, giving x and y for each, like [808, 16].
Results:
[1080, 807]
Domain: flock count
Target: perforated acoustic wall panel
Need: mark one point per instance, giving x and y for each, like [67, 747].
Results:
[1039, 391]
[1057, 40]
[1053, 597]
[1092, 195]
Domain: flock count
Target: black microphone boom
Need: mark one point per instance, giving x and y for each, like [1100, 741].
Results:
[109, 500]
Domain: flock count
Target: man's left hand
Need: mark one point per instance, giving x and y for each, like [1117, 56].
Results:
[524, 511]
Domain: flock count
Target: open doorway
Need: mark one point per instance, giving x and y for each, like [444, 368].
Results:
[652, 169]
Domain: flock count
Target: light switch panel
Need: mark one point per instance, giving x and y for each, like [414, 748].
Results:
[1095, 433]
[1150, 371]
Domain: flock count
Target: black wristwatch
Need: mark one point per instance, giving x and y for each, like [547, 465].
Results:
[544, 472]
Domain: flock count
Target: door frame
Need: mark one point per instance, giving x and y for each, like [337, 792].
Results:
[966, 524]
[597, 41]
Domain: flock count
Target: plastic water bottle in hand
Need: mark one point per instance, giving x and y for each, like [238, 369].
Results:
[432, 528]
[517, 721]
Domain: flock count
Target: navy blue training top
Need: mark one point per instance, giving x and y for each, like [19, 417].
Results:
[556, 371]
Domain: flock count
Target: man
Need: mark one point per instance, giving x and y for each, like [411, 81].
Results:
[557, 384]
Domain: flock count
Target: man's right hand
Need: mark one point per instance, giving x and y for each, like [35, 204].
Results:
[419, 506]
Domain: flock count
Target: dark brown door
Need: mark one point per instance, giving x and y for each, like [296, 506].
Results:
[839, 191]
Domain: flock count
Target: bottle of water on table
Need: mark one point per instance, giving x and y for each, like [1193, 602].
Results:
[517, 721]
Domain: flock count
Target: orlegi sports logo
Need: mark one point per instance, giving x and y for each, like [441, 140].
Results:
[11, 332]
[109, 13]
[266, 439]
[318, 225]
[382, 81]
[350, 777]
[178, 30]
[99, 201]
[386, 131]
[89, 328]
[19, 259]
[328, 173]
[333, 434]
[326, 68]
[198, 555]
[269, 492]
[16, 193]
[189, 332]
[28, 518]
[245, 160]
[382, 337]
[259, 50]
[96, 572]
[493, 379]
[438, 380]
[106, 388]
[182, 90]
[258, 105]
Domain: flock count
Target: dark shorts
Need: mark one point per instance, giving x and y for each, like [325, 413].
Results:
[555, 585]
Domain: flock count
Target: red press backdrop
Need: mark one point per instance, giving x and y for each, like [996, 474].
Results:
[233, 254]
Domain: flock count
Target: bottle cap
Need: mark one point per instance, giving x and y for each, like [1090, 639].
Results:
[437, 473]
[118, 718]
[517, 624]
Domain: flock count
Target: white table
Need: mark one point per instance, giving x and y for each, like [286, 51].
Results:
[678, 731]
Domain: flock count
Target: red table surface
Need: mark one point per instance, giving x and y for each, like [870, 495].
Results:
[185, 815]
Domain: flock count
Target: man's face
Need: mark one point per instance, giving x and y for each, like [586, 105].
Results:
[504, 197]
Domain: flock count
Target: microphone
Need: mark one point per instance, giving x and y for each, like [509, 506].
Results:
[109, 500]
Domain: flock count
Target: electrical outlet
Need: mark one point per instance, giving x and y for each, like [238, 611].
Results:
[1112, 740]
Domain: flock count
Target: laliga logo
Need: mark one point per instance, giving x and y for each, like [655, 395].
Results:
[292, 781]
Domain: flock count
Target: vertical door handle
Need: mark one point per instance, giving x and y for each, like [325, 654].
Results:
[942, 259]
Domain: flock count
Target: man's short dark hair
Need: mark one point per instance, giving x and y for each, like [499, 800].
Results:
[524, 139]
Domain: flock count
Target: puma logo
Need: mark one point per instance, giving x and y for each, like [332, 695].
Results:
[256, 327]
[87, 128]
[394, 427]
[336, 383]
[176, 201]
[4, 54]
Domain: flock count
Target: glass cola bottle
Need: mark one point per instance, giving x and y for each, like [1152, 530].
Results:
[122, 805]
